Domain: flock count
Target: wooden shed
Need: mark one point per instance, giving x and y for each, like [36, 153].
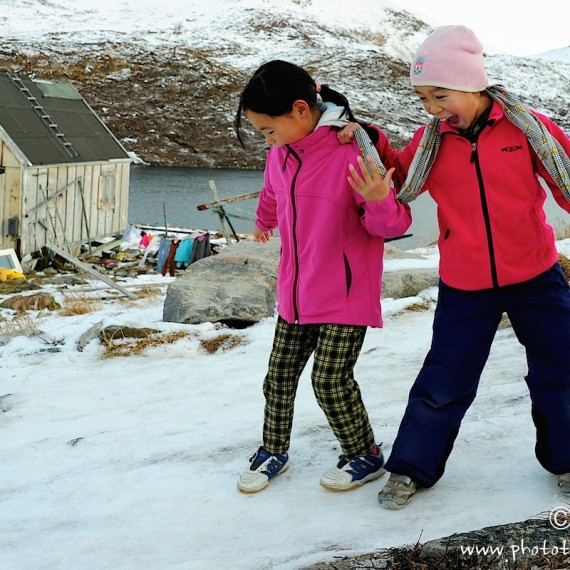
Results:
[64, 177]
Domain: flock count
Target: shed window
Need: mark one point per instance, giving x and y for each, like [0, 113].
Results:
[107, 191]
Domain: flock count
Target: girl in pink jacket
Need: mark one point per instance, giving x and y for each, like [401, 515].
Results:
[330, 270]
[481, 159]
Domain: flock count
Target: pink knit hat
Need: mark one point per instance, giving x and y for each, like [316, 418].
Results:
[450, 57]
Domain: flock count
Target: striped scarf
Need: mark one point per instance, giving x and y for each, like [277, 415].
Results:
[368, 149]
[547, 148]
[333, 115]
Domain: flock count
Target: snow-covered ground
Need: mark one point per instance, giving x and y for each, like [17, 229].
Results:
[131, 462]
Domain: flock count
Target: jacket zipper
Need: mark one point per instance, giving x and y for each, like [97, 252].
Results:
[486, 217]
[291, 152]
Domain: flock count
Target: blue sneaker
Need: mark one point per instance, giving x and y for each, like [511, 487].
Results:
[263, 468]
[351, 473]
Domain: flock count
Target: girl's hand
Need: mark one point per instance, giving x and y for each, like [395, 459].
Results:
[372, 187]
[345, 135]
[261, 236]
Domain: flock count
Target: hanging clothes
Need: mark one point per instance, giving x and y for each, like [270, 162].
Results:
[201, 248]
[183, 253]
[162, 254]
[170, 264]
[145, 239]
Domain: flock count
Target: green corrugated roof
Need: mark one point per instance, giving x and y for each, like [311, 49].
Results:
[89, 138]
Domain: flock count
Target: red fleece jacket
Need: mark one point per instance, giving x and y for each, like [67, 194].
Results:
[493, 229]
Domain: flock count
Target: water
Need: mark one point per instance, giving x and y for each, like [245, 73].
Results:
[180, 190]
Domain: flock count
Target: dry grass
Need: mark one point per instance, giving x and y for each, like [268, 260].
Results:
[80, 304]
[565, 264]
[417, 307]
[221, 342]
[129, 346]
[414, 308]
[21, 322]
[146, 292]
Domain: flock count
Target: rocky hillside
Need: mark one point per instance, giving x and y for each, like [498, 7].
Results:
[172, 101]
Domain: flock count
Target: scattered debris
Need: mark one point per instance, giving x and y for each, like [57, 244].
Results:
[90, 334]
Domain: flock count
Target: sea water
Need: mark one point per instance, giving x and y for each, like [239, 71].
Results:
[171, 196]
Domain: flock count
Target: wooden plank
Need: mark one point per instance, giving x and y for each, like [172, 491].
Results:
[90, 270]
[228, 200]
[104, 247]
[50, 198]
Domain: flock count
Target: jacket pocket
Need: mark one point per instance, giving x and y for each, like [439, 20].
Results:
[348, 273]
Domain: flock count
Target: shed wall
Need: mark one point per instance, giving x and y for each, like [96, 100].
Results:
[62, 204]
[10, 183]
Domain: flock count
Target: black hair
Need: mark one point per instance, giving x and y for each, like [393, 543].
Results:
[276, 85]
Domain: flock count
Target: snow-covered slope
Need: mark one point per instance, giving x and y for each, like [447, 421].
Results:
[165, 76]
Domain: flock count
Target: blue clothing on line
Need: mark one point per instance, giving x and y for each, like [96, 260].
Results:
[162, 254]
[183, 253]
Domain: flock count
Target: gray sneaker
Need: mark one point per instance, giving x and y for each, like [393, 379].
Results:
[397, 492]
[564, 482]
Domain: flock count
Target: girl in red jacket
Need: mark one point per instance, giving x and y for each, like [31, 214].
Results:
[330, 269]
[481, 159]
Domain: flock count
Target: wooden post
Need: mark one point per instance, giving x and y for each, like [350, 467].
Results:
[84, 211]
[165, 221]
[221, 213]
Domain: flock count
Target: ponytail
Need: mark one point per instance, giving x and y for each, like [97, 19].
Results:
[330, 95]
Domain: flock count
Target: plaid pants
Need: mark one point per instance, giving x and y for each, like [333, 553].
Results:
[336, 349]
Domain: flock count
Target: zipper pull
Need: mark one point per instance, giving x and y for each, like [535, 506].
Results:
[473, 152]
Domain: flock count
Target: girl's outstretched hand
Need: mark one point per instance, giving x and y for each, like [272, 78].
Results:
[372, 187]
[261, 236]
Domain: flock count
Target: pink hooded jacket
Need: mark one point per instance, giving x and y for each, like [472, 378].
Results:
[492, 226]
[332, 240]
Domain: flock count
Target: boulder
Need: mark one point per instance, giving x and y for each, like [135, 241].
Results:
[237, 286]
[407, 283]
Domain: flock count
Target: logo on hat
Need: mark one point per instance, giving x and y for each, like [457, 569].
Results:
[418, 66]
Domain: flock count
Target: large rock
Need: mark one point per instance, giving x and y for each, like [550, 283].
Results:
[238, 285]
[407, 283]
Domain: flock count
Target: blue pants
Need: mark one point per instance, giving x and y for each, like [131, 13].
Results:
[465, 324]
